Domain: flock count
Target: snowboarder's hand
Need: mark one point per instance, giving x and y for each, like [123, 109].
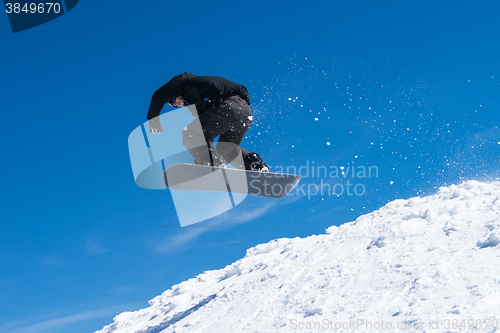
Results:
[155, 126]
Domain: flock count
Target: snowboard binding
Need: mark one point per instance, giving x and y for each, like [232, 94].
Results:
[255, 163]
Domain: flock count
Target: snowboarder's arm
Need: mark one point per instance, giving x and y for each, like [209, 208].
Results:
[159, 99]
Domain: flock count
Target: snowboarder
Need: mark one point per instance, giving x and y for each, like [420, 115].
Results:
[221, 108]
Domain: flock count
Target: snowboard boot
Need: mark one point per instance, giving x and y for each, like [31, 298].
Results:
[253, 162]
[214, 159]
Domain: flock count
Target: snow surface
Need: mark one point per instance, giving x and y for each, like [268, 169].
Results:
[427, 264]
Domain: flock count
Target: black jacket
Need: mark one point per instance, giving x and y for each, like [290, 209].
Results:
[202, 91]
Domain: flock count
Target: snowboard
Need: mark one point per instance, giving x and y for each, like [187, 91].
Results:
[193, 177]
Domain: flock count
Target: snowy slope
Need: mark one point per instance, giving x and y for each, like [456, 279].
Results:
[424, 264]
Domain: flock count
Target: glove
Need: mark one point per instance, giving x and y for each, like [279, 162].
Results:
[155, 126]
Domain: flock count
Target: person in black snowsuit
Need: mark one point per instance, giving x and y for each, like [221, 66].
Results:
[222, 109]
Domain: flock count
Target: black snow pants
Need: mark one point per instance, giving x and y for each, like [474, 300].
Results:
[229, 120]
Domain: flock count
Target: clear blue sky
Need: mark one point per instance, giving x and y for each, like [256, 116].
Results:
[411, 88]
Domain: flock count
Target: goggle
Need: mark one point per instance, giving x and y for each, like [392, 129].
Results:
[171, 102]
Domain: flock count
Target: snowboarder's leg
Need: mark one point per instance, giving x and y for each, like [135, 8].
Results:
[229, 141]
[194, 141]
[198, 137]
[229, 119]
